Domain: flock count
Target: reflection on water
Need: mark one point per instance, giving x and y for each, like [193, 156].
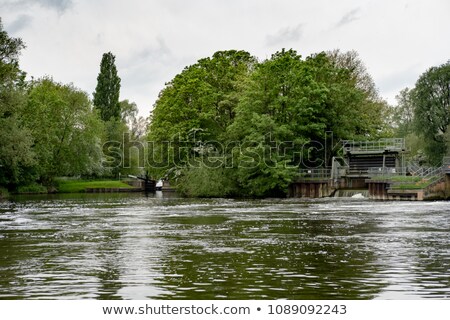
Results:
[136, 247]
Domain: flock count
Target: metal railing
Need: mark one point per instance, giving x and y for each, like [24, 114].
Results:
[423, 176]
[386, 172]
[446, 165]
[435, 175]
[394, 144]
[316, 173]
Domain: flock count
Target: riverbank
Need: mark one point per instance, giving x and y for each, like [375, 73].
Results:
[80, 186]
[75, 186]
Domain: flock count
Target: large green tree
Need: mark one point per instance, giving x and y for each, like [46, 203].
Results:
[432, 110]
[251, 125]
[196, 106]
[403, 114]
[16, 156]
[65, 129]
[107, 91]
[286, 114]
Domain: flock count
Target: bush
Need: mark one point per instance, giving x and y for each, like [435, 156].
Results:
[32, 188]
[3, 193]
[207, 182]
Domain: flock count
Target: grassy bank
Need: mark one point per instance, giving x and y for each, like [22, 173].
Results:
[406, 182]
[77, 186]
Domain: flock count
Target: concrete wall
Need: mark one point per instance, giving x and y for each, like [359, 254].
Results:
[436, 191]
[310, 189]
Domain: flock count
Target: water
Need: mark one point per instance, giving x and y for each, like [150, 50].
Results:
[136, 247]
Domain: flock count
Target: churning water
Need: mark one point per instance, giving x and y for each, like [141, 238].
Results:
[137, 247]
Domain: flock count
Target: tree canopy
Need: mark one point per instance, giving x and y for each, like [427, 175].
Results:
[259, 121]
[16, 155]
[107, 91]
[65, 129]
[432, 109]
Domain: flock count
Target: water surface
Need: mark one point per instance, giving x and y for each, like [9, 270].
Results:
[136, 247]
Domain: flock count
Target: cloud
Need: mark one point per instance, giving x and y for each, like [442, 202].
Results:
[284, 35]
[21, 22]
[142, 66]
[159, 51]
[349, 17]
[58, 5]
[391, 83]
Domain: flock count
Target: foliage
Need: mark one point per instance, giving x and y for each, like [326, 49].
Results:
[196, 106]
[65, 130]
[137, 126]
[32, 188]
[106, 94]
[79, 186]
[404, 113]
[432, 110]
[259, 121]
[207, 182]
[16, 155]
[3, 193]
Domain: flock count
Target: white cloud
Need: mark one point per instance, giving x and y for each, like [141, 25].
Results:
[285, 36]
[154, 40]
[349, 17]
[21, 22]
[58, 5]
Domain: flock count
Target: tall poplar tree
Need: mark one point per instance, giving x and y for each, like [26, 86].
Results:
[106, 95]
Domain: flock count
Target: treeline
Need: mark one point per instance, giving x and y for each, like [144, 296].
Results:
[49, 129]
[231, 125]
[228, 125]
[422, 116]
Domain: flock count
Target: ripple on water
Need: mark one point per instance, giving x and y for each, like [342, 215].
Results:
[132, 247]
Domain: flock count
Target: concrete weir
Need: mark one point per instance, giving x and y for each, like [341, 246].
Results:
[376, 169]
[311, 189]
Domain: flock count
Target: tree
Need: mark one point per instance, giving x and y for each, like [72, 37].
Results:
[16, 156]
[253, 124]
[287, 109]
[137, 126]
[130, 132]
[106, 95]
[66, 131]
[351, 61]
[360, 102]
[196, 106]
[404, 113]
[432, 110]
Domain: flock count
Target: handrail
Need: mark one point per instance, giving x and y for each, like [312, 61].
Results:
[397, 144]
[315, 173]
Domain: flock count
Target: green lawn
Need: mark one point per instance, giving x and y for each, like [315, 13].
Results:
[77, 186]
[406, 182]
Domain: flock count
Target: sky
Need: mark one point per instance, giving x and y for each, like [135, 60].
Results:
[153, 40]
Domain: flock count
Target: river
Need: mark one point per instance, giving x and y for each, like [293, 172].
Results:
[122, 246]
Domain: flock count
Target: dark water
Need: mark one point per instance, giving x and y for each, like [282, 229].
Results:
[133, 247]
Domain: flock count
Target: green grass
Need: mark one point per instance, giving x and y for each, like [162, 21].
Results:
[412, 183]
[77, 186]
[410, 186]
[406, 182]
[406, 179]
